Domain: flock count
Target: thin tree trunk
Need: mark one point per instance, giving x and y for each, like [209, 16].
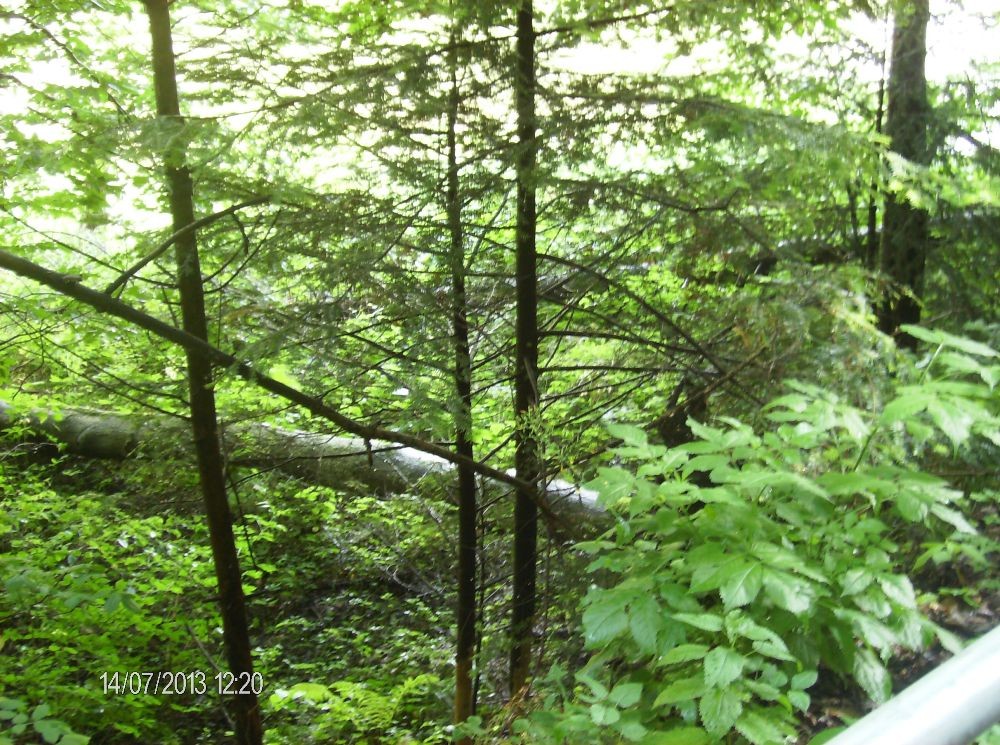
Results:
[526, 458]
[905, 227]
[465, 620]
[871, 239]
[203, 415]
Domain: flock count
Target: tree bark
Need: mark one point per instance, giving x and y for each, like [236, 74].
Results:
[465, 614]
[526, 457]
[204, 423]
[905, 234]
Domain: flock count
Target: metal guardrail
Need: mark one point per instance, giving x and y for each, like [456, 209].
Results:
[950, 705]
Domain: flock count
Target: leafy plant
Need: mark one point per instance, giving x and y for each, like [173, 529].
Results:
[356, 712]
[743, 564]
[16, 722]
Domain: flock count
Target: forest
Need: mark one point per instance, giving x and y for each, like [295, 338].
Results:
[543, 371]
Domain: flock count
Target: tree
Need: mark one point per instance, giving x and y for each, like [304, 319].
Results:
[905, 232]
[204, 423]
[466, 612]
[527, 459]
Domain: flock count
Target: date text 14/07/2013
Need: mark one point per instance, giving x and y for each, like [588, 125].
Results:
[175, 683]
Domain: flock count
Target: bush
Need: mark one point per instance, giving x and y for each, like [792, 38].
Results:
[743, 564]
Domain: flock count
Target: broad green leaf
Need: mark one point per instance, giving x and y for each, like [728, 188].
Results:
[761, 729]
[936, 336]
[898, 588]
[624, 695]
[50, 729]
[632, 729]
[872, 676]
[870, 629]
[787, 591]
[685, 689]
[604, 715]
[629, 434]
[742, 586]
[799, 699]
[644, 620]
[722, 666]
[763, 690]
[806, 679]
[612, 484]
[704, 621]
[719, 711]
[773, 649]
[604, 619]
[684, 653]
[856, 580]
[953, 418]
[954, 518]
[598, 691]
[906, 406]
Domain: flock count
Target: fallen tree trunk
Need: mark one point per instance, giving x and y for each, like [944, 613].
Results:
[322, 459]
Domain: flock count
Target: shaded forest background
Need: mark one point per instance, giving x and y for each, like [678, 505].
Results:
[497, 372]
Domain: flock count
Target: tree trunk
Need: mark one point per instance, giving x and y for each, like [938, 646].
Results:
[317, 458]
[526, 457]
[904, 226]
[465, 616]
[204, 423]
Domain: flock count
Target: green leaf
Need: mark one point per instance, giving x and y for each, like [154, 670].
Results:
[644, 620]
[761, 729]
[624, 695]
[799, 699]
[827, 735]
[774, 649]
[898, 588]
[906, 406]
[703, 621]
[719, 711]
[952, 419]
[632, 729]
[787, 591]
[50, 730]
[629, 434]
[612, 484]
[686, 689]
[684, 653]
[954, 518]
[604, 715]
[856, 580]
[872, 676]
[598, 691]
[604, 619]
[679, 736]
[311, 692]
[806, 679]
[722, 666]
[936, 336]
[743, 586]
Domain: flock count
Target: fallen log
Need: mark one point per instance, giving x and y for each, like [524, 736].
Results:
[314, 457]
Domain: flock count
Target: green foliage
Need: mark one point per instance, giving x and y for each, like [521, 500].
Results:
[355, 712]
[743, 564]
[118, 577]
[16, 721]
